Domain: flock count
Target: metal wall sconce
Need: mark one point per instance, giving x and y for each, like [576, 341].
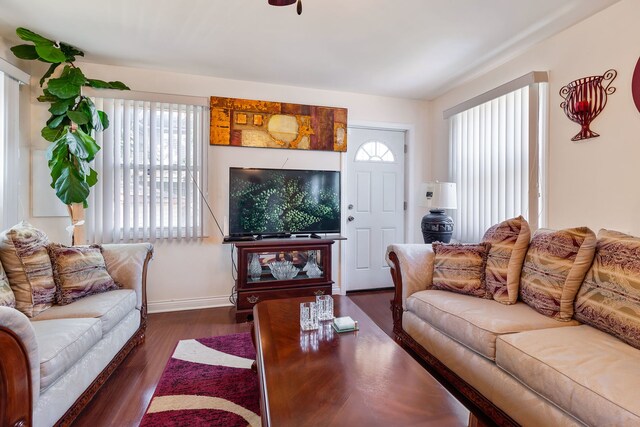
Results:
[585, 98]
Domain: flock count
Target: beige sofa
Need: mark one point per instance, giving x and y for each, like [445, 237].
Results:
[53, 364]
[509, 362]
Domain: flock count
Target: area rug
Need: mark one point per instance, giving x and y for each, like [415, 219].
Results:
[209, 382]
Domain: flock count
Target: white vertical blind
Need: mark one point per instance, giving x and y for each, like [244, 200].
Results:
[149, 170]
[490, 153]
[9, 150]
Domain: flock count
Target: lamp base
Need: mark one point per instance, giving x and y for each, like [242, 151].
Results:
[437, 226]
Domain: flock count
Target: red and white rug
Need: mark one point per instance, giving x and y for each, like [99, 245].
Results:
[209, 382]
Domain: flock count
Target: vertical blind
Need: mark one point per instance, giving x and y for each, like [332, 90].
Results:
[494, 164]
[9, 150]
[151, 172]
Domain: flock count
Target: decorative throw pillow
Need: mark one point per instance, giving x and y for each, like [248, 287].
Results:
[79, 271]
[23, 253]
[7, 299]
[509, 243]
[554, 269]
[460, 268]
[609, 298]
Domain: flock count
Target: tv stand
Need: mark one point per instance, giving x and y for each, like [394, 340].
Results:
[255, 283]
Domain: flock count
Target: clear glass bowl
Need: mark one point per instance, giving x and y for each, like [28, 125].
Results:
[283, 270]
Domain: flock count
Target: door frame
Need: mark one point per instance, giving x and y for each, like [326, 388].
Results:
[340, 285]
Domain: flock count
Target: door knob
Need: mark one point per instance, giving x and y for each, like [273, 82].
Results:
[350, 218]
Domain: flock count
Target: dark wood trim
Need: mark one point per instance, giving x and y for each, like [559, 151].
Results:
[15, 381]
[474, 400]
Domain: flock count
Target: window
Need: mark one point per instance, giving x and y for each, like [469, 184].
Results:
[496, 153]
[374, 151]
[9, 143]
[151, 172]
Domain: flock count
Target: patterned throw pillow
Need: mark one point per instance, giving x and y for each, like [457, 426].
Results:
[554, 269]
[460, 268]
[509, 243]
[23, 253]
[609, 298]
[7, 299]
[79, 271]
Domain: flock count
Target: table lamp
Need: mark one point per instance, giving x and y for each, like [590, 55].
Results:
[437, 196]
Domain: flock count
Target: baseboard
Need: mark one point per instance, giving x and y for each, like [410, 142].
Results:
[187, 304]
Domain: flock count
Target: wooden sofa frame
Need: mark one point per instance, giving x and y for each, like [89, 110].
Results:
[16, 396]
[479, 405]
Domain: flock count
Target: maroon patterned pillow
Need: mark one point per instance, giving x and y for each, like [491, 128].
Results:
[79, 271]
[509, 242]
[554, 269]
[461, 268]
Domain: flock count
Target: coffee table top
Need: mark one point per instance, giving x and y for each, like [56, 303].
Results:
[355, 378]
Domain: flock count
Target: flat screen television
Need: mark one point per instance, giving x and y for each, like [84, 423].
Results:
[274, 201]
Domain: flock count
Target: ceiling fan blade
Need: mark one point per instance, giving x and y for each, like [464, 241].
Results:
[299, 7]
[281, 2]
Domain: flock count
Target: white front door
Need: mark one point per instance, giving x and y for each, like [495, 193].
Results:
[375, 204]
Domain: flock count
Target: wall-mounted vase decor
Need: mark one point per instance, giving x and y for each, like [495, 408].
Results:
[635, 85]
[251, 123]
[585, 98]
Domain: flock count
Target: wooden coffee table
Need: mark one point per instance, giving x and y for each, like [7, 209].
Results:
[323, 378]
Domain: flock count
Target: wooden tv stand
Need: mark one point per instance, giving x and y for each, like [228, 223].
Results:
[252, 291]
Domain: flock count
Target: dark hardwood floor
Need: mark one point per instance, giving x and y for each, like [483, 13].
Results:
[123, 400]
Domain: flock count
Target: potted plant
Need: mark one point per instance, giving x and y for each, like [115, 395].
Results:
[74, 118]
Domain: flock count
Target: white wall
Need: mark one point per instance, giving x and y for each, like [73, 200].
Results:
[190, 275]
[595, 182]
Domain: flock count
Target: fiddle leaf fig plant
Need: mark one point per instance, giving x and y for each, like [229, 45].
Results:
[74, 117]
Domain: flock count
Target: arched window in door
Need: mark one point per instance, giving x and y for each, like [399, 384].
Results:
[374, 151]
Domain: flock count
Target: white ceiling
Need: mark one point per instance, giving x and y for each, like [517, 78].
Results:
[403, 48]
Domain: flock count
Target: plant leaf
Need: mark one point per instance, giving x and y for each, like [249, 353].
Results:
[25, 51]
[47, 97]
[68, 84]
[50, 53]
[99, 84]
[70, 186]
[89, 145]
[30, 36]
[104, 119]
[61, 107]
[50, 71]
[118, 85]
[78, 117]
[91, 109]
[92, 178]
[52, 135]
[70, 51]
[55, 121]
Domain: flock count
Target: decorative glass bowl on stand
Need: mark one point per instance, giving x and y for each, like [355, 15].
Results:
[283, 270]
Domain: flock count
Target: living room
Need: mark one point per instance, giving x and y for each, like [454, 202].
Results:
[189, 281]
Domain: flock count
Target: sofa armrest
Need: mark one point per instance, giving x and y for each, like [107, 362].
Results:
[127, 263]
[19, 368]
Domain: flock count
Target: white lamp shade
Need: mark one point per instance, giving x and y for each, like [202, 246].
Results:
[438, 195]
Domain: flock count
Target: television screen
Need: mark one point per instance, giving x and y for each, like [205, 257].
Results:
[270, 201]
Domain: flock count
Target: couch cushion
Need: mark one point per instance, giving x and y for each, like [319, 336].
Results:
[509, 243]
[460, 268]
[586, 372]
[23, 253]
[7, 298]
[474, 322]
[554, 269]
[79, 271]
[609, 298]
[61, 343]
[110, 307]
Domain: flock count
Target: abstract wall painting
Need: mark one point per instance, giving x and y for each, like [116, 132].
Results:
[253, 123]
